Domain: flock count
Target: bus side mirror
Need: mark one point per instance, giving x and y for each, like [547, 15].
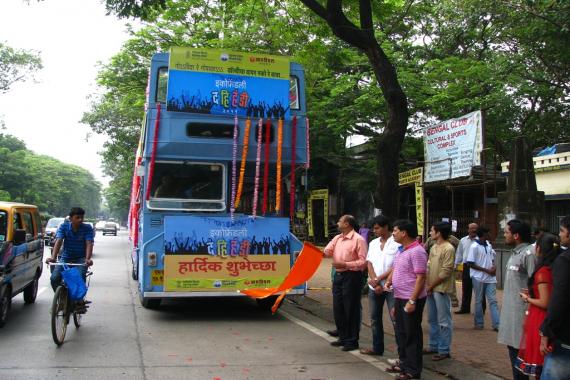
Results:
[19, 237]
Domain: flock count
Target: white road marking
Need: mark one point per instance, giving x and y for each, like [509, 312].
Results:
[41, 290]
[381, 364]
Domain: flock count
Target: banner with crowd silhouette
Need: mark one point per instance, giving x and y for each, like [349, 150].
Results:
[219, 82]
[209, 253]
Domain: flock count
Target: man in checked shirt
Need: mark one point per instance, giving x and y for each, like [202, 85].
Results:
[348, 250]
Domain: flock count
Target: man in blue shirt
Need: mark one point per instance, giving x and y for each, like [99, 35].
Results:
[76, 238]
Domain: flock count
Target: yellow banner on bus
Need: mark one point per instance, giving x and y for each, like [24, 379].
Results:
[217, 273]
[221, 61]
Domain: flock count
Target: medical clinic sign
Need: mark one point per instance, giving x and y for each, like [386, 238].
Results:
[453, 147]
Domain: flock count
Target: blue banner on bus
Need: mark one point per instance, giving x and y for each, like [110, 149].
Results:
[219, 236]
[226, 94]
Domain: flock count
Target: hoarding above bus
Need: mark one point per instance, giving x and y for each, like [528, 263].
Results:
[222, 82]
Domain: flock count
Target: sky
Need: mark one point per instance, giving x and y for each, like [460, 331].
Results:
[72, 36]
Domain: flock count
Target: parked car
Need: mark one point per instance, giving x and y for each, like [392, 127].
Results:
[110, 229]
[51, 229]
[100, 225]
[21, 252]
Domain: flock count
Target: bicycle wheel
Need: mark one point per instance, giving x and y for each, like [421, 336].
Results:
[59, 310]
[77, 319]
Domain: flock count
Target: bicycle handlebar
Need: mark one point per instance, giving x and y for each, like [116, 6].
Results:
[68, 264]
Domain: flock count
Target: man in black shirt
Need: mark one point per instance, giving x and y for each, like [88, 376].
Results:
[555, 330]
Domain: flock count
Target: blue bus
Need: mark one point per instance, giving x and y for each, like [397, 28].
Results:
[222, 148]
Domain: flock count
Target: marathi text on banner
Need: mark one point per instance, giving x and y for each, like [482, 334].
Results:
[453, 147]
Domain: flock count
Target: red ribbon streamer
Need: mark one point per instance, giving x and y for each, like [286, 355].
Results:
[266, 166]
[153, 154]
[304, 268]
[293, 154]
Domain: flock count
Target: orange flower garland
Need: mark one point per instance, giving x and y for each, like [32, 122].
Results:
[243, 160]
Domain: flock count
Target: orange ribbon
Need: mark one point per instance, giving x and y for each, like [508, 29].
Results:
[304, 268]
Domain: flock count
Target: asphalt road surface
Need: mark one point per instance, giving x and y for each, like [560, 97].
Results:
[184, 339]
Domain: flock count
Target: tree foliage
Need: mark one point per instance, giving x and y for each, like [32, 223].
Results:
[510, 58]
[50, 184]
[16, 66]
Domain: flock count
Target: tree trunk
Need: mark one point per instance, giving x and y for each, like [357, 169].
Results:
[392, 138]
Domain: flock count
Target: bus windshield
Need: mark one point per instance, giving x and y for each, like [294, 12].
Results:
[188, 186]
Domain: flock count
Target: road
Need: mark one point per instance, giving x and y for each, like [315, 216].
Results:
[184, 339]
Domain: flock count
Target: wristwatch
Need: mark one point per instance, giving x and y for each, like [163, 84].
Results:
[411, 302]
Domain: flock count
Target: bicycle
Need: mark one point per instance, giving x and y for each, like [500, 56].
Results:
[62, 308]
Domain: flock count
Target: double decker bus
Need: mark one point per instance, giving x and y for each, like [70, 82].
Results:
[223, 144]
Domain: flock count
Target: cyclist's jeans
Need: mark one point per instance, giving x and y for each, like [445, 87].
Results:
[57, 269]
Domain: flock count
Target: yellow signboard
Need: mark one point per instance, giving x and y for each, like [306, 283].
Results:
[318, 195]
[416, 177]
[217, 273]
[220, 61]
[411, 176]
[420, 209]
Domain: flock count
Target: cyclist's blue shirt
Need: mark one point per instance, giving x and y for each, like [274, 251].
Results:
[74, 241]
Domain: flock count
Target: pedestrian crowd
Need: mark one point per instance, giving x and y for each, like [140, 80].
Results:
[407, 276]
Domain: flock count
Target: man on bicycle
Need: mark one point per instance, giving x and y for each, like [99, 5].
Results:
[76, 238]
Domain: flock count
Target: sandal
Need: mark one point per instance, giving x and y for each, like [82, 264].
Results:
[406, 376]
[369, 351]
[394, 369]
[439, 357]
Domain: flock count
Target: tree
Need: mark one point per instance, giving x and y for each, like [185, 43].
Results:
[452, 57]
[16, 66]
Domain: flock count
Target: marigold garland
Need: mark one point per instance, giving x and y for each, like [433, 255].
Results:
[293, 156]
[243, 161]
[266, 166]
[234, 167]
[279, 157]
[257, 166]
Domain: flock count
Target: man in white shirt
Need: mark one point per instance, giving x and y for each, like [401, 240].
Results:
[461, 258]
[380, 258]
[481, 259]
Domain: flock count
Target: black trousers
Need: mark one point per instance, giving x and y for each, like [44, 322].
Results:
[513, 353]
[347, 289]
[466, 290]
[409, 334]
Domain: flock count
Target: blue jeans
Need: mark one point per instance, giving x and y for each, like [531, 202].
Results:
[440, 323]
[376, 302]
[485, 290]
[57, 269]
[557, 364]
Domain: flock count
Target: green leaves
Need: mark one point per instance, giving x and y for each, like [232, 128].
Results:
[16, 66]
[50, 184]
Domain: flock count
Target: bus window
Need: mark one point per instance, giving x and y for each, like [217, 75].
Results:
[162, 81]
[29, 225]
[189, 186]
[294, 103]
[194, 129]
[18, 225]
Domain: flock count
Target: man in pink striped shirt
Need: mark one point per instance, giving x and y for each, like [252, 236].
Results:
[348, 250]
[408, 279]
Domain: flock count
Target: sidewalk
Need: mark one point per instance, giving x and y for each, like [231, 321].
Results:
[471, 349]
